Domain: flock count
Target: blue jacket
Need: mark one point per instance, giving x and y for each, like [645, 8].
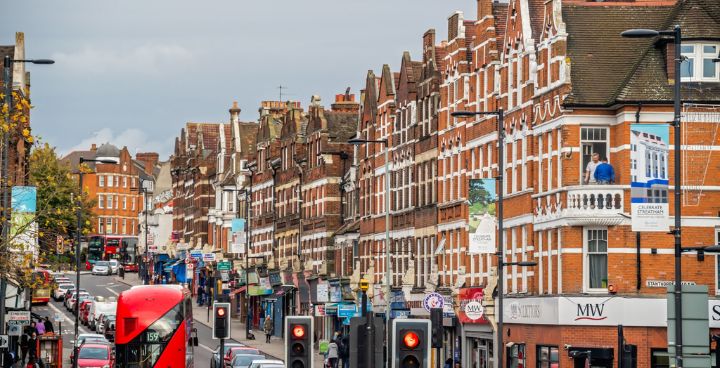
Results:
[605, 172]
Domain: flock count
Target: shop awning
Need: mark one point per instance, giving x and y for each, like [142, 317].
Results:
[238, 290]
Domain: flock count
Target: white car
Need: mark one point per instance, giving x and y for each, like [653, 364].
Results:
[97, 310]
[267, 363]
[70, 302]
[114, 266]
[61, 290]
[101, 268]
[82, 338]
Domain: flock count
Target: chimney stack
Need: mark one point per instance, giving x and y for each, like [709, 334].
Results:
[234, 113]
[149, 159]
[93, 147]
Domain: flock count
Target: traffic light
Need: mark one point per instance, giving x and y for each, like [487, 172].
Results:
[411, 343]
[436, 318]
[299, 351]
[221, 321]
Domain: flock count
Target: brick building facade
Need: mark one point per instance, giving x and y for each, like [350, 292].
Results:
[569, 87]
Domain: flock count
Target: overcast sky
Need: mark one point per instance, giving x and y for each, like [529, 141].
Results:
[133, 72]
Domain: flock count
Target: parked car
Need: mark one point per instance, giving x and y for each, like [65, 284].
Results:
[230, 354]
[244, 360]
[109, 327]
[59, 292]
[69, 292]
[101, 268]
[215, 360]
[77, 303]
[97, 309]
[114, 266]
[70, 302]
[103, 323]
[83, 338]
[84, 310]
[96, 354]
[267, 363]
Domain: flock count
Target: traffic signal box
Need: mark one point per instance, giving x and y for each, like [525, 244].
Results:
[411, 343]
[221, 321]
[298, 342]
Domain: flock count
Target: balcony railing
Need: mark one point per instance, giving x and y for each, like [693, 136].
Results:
[601, 205]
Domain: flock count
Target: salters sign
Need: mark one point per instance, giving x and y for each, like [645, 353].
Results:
[471, 309]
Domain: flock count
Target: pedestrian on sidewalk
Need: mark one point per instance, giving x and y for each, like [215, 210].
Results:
[268, 328]
[201, 290]
[344, 350]
[333, 353]
[48, 326]
[32, 346]
[24, 344]
[40, 328]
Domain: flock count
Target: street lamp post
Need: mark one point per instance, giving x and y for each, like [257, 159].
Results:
[144, 190]
[676, 33]
[4, 187]
[78, 233]
[248, 204]
[500, 253]
[386, 143]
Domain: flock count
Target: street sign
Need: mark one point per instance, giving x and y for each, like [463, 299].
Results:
[197, 254]
[224, 266]
[346, 310]
[14, 330]
[224, 276]
[18, 318]
[4, 342]
[208, 257]
[433, 300]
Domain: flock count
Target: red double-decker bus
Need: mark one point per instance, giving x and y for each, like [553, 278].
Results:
[154, 327]
[120, 247]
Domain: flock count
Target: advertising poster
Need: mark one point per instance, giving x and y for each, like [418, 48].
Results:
[23, 228]
[237, 245]
[649, 154]
[482, 221]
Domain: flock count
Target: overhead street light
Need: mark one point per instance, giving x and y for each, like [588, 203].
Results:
[676, 34]
[500, 113]
[8, 62]
[78, 232]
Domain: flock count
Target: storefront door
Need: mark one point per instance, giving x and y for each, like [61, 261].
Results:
[482, 356]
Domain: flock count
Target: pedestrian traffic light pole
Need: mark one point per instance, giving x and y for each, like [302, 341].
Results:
[4, 185]
[500, 253]
[369, 326]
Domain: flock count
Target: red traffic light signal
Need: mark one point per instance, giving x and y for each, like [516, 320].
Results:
[411, 340]
[298, 331]
[221, 312]
[221, 321]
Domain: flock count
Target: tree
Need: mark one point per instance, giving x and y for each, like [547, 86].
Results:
[57, 199]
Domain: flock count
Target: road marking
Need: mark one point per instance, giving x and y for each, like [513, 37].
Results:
[206, 348]
[112, 291]
[70, 321]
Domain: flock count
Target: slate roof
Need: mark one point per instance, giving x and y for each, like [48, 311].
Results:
[606, 68]
[600, 59]
[341, 126]
[73, 159]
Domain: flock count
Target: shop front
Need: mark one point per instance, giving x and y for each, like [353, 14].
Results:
[477, 333]
[583, 331]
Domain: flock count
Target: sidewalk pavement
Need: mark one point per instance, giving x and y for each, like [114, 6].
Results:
[275, 349]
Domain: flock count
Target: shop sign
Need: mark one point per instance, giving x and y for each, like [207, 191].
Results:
[433, 300]
[323, 291]
[181, 246]
[400, 313]
[208, 257]
[275, 278]
[18, 318]
[224, 266]
[331, 309]
[714, 313]
[346, 310]
[253, 278]
[320, 310]
[196, 254]
[262, 288]
[471, 309]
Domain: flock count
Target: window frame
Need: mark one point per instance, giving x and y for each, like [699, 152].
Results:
[591, 142]
[698, 57]
[550, 361]
[586, 260]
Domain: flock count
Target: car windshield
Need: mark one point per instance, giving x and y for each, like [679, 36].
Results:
[104, 308]
[245, 360]
[114, 262]
[101, 263]
[93, 353]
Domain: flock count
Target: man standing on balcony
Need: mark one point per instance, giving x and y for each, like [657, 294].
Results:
[590, 169]
[604, 173]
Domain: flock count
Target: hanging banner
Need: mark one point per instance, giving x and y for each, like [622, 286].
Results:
[649, 177]
[482, 221]
[471, 309]
[238, 236]
[23, 228]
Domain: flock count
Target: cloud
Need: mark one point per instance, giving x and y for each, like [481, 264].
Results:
[146, 59]
[134, 139]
